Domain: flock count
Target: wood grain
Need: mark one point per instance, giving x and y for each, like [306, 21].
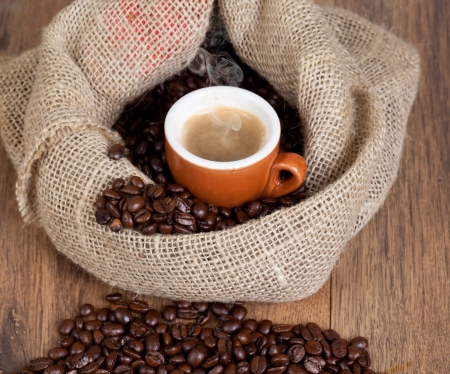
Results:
[392, 284]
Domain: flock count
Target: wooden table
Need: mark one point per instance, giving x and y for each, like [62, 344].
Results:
[391, 285]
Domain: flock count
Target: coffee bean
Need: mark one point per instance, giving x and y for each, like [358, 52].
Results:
[220, 334]
[170, 313]
[112, 194]
[242, 367]
[330, 335]
[339, 347]
[142, 216]
[326, 349]
[130, 190]
[279, 359]
[280, 328]
[360, 342]
[102, 217]
[365, 360]
[332, 368]
[110, 361]
[242, 217]
[185, 219]
[173, 350]
[149, 229]
[85, 337]
[313, 347]
[219, 369]
[295, 369]
[175, 188]
[156, 192]
[154, 359]
[113, 210]
[123, 316]
[178, 331]
[165, 228]
[114, 297]
[353, 353]
[100, 203]
[152, 342]
[112, 345]
[220, 309]
[312, 365]
[127, 220]
[254, 209]
[40, 364]
[152, 318]
[116, 152]
[112, 330]
[225, 212]
[296, 353]
[187, 313]
[79, 322]
[161, 328]
[230, 325]
[92, 325]
[77, 347]
[137, 182]
[166, 339]
[210, 362]
[90, 368]
[116, 225]
[58, 353]
[244, 336]
[197, 356]
[238, 312]
[210, 219]
[239, 354]
[225, 358]
[205, 318]
[200, 210]
[77, 361]
[265, 326]
[123, 369]
[165, 205]
[138, 328]
[135, 203]
[258, 364]
[66, 326]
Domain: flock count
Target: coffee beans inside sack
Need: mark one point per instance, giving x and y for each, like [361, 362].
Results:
[167, 207]
[195, 338]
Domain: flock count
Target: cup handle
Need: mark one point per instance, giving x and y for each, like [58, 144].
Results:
[288, 161]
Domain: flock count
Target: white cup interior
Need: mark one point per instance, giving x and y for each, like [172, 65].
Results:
[218, 97]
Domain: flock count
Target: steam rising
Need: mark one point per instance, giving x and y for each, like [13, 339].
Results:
[221, 69]
[226, 119]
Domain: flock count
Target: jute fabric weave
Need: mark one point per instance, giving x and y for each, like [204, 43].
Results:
[352, 82]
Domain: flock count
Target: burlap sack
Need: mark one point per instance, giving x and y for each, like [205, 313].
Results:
[352, 82]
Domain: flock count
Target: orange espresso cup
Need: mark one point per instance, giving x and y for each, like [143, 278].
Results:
[232, 183]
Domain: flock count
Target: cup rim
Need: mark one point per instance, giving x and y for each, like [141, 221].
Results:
[207, 98]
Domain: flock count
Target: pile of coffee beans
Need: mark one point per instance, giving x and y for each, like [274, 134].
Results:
[141, 125]
[131, 338]
[166, 209]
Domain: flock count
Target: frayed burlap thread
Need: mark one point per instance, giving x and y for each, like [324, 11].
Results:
[352, 82]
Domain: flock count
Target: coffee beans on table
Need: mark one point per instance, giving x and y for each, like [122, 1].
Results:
[167, 207]
[215, 338]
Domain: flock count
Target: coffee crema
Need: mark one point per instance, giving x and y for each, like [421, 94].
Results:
[223, 134]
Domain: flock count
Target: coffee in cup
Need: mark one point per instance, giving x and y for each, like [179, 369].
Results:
[224, 134]
[238, 179]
